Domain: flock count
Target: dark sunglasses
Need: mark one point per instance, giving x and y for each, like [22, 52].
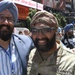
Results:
[44, 30]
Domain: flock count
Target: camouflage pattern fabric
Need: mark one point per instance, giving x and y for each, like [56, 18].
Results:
[61, 62]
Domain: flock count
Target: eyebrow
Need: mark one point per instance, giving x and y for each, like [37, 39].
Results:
[4, 15]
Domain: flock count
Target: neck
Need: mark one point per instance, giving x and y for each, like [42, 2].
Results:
[4, 44]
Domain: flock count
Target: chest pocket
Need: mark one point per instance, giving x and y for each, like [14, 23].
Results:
[47, 70]
[52, 70]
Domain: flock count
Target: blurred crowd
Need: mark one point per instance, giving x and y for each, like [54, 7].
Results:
[66, 35]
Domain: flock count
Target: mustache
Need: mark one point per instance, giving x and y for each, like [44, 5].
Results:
[3, 25]
[41, 39]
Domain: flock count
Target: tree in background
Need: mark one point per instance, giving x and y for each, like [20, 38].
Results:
[30, 15]
[60, 17]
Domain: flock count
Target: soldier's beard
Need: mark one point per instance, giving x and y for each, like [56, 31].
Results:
[5, 32]
[46, 47]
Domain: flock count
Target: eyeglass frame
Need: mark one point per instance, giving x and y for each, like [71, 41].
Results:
[9, 19]
[43, 30]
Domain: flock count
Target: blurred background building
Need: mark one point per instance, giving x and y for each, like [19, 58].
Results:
[67, 7]
[23, 8]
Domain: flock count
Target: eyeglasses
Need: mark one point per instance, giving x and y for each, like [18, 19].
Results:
[44, 30]
[3, 18]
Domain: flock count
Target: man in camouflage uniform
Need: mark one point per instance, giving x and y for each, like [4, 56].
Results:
[50, 57]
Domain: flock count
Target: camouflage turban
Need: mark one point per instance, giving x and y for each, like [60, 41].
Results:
[45, 18]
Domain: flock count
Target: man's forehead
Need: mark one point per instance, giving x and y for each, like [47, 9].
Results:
[6, 13]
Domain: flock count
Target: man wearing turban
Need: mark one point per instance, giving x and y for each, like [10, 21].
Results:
[14, 49]
[50, 56]
[68, 39]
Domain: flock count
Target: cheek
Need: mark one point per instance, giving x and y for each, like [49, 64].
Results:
[50, 36]
[33, 37]
[0, 23]
[12, 26]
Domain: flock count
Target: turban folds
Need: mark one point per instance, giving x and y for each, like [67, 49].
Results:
[11, 7]
[45, 18]
[68, 27]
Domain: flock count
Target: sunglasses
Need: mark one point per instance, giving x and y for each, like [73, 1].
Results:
[43, 30]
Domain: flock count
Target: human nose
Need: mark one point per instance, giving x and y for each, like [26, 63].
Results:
[5, 21]
[40, 34]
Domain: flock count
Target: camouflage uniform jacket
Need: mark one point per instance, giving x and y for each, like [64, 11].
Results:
[61, 62]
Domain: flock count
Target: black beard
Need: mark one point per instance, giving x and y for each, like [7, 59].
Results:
[5, 35]
[46, 47]
[71, 36]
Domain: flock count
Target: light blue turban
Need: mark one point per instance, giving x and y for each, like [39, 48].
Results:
[59, 30]
[68, 27]
[4, 4]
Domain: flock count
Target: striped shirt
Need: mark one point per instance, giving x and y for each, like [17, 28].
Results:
[7, 64]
